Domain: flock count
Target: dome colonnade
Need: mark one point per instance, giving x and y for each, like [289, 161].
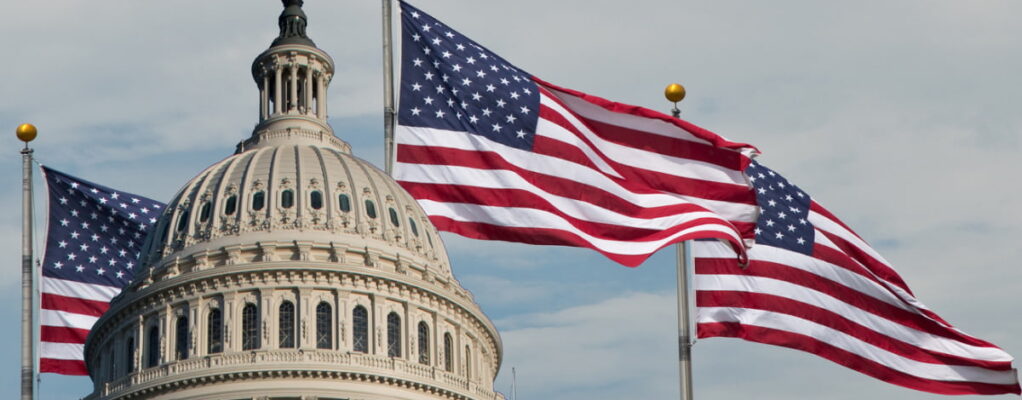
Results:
[293, 270]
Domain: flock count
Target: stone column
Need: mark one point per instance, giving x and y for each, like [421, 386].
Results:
[320, 96]
[264, 97]
[277, 97]
[293, 96]
[308, 90]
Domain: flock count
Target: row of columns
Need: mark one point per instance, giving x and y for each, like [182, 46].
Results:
[314, 88]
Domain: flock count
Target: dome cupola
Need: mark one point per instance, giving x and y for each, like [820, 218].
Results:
[293, 76]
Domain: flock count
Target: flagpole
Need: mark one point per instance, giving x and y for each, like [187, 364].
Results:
[675, 93]
[388, 90]
[26, 133]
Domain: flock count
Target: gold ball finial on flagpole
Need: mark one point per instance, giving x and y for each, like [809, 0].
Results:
[27, 133]
[675, 93]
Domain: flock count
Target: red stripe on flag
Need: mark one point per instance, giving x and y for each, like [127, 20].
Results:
[60, 334]
[65, 367]
[868, 367]
[50, 301]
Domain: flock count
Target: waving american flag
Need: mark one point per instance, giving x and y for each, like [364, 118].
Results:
[93, 242]
[493, 152]
[814, 285]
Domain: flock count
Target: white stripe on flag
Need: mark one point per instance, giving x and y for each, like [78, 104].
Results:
[66, 319]
[86, 291]
[533, 218]
[62, 351]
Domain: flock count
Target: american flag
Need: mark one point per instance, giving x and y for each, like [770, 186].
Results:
[493, 152]
[812, 284]
[93, 241]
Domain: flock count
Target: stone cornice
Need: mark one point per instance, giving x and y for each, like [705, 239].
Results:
[274, 364]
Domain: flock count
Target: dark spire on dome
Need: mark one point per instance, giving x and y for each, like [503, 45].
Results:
[292, 25]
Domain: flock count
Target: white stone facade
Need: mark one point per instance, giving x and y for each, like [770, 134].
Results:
[258, 274]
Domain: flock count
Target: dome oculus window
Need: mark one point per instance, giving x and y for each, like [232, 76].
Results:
[393, 218]
[231, 205]
[258, 200]
[344, 202]
[370, 209]
[205, 212]
[316, 199]
[287, 198]
[182, 221]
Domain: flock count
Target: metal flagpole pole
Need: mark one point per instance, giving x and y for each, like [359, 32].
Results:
[388, 90]
[676, 93]
[27, 132]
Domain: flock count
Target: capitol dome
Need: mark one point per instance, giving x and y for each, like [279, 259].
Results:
[293, 270]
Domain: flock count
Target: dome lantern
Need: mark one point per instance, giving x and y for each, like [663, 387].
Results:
[292, 77]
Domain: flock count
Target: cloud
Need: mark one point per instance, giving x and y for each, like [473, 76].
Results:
[599, 350]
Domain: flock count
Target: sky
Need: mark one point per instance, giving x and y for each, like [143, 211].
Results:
[901, 117]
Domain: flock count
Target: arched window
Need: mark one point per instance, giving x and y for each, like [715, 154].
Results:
[370, 209]
[468, 362]
[316, 199]
[153, 347]
[182, 221]
[258, 200]
[393, 335]
[205, 212]
[231, 205]
[393, 217]
[286, 325]
[324, 326]
[214, 331]
[249, 327]
[129, 356]
[423, 343]
[448, 353]
[287, 198]
[415, 229]
[344, 202]
[360, 329]
[181, 347]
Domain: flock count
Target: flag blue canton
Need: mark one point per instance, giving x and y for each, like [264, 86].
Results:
[95, 233]
[449, 82]
[784, 211]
